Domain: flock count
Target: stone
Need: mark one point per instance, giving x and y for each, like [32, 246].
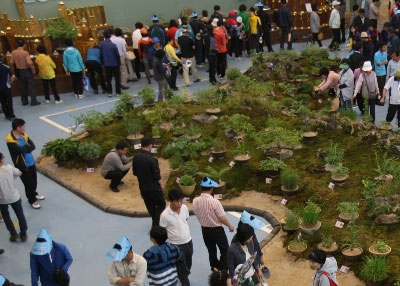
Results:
[166, 126]
[332, 124]
[315, 169]
[286, 154]
[204, 118]
[387, 219]
[396, 149]
[388, 178]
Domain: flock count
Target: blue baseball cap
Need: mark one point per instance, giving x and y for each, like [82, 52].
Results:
[259, 4]
[194, 15]
[208, 183]
[2, 280]
[251, 220]
[155, 18]
[42, 247]
[155, 40]
[118, 254]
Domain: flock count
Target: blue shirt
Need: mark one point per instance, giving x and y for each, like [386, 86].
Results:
[93, 55]
[378, 58]
[109, 54]
[29, 160]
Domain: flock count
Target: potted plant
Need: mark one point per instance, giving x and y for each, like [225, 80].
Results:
[193, 131]
[125, 104]
[60, 30]
[147, 94]
[218, 149]
[62, 150]
[375, 270]
[90, 152]
[189, 168]
[92, 120]
[348, 211]
[297, 246]
[133, 126]
[333, 157]
[156, 132]
[289, 182]
[328, 244]
[187, 185]
[352, 248]
[291, 222]
[237, 125]
[340, 175]
[272, 166]
[242, 158]
[310, 218]
[216, 175]
[175, 163]
[380, 248]
[309, 131]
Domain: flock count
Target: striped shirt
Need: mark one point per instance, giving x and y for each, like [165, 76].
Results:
[208, 210]
[161, 264]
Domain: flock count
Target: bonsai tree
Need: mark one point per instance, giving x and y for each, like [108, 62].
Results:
[214, 174]
[186, 181]
[351, 241]
[272, 164]
[61, 149]
[189, 168]
[374, 269]
[241, 149]
[297, 246]
[233, 74]
[148, 95]
[341, 171]
[89, 150]
[381, 247]
[327, 241]
[310, 214]
[156, 131]
[125, 104]
[176, 161]
[192, 130]
[350, 210]
[61, 29]
[291, 220]
[334, 155]
[133, 124]
[239, 123]
[217, 146]
[289, 179]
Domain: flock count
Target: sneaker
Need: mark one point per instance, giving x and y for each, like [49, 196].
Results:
[121, 183]
[197, 80]
[25, 103]
[35, 103]
[35, 205]
[40, 197]
[76, 96]
[80, 96]
[1, 251]
[14, 237]
[124, 87]
[58, 101]
[109, 95]
[115, 190]
[48, 101]
[23, 238]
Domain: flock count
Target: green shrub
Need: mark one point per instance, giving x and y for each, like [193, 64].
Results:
[155, 131]
[125, 104]
[334, 155]
[189, 168]
[327, 240]
[176, 161]
[272, 164]
[374, 268]
[93, 119]
[380, 246]
[185, 147]
[348, 207]
[290, 179]
[274, 122]
[169, 93]
[214, 174]
[352, 239]
[303, 111]
[303, 97]
[233, 73]
[310, 214]
[288, 101]
[238, 122]
[348, 113]
[89, 150]
[192, 130]
[61, 149]
[61, 29]
[291, 220]
[133, 123]
[341, 171]
[186, 181]
[148, 95]
[176, 99]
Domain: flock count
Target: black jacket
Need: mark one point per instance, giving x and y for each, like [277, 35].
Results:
[265, 21]
[359, 25]
[355, 60]
[17, 152]
[284, 17]
[145, 168]
[196, 26]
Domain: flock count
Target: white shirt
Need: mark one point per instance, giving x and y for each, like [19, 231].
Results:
[120, 43]
[120, 269]
[334, 20]
[8, 192]
[136, 36]
[394, 87]
[176, 225]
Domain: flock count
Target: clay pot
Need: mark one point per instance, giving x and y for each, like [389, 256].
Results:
[297, 248]
[334, 247]
[339, 180]
[221, 189]
[347, 217]
[187, 190]
[273, 174]
[352, 255]
[374, 251]
[241, 160]
[195, 137]
[178, 133]
[135, 138]
[213, 111]
[310, 229]
[289, 194]
[331, 168]
[309, 137]
[218, 154]
[290, 230]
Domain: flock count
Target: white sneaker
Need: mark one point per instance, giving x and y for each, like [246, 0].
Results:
[48, 101]
[109, 95]
[40, 197]
[36, 205]
[1, 219]
[76, 95]
[59, 101]
[80, 96]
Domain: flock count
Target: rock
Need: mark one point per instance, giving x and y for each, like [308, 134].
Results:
[388, 178]
[213, 111]
[332, 124]
[387, 219]
[204, 118]
[286, 154]
[80, 135]
[315, 169]
[166, 126]
[396, 149]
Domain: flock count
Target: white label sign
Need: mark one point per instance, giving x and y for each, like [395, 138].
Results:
[231, 164]
[218, 196]
[178, 180]
[211, 159]
[154, 150]
[344, 269]
[137, 146]
[331, 186]
[284, 202]
[299, 236]
[90, 170]
[339, 224]
[268, 180]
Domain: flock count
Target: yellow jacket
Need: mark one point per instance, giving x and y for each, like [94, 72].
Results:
[46, 66]
[170, 53]
[254, 23]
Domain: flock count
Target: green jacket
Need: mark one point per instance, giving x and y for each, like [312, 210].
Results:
[245, 18]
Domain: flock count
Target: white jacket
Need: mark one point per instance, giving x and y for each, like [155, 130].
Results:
[8, 192]
[334, 20]
[346, 78]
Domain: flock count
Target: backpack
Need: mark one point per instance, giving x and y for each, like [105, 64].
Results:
[144, 48]
[331, 282]
[158, 32]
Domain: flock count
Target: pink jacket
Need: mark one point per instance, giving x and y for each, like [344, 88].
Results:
[331, 81]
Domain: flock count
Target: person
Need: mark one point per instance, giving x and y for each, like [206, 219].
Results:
[356, 57]
[157, 30]
[359, 99]
[212, 58]
[145, 167]
[119, 41]
[265, 26]
[330, 80]
[160, 69]
[187, 47]
[255, 23]
[174, 220]
[111, 60]
[152, 51]
[116, 165]
[245, 30]
[360, 22]
[144, 46]
[49, 261]
[285, 25]
[393, 65]
[23, 67]
[234, 33]
[241, 250]
[394, 41]
[325, 268]
[172, 28]
[6, 79]
[380, 62]
[374, 13]
[197, 28]
[334, 23]
[93, 64]
[73, 64]
[217, 14]
[21, 146]
[127, 267]
[162, 259]
[221, 42]
[367, 85]
[9, 196]
[174, 61]
[211, 216]
[354, 13]
[342, 11]
[365, 4]
[206, 36]
[47, 74]
[315, 24]
[136, 36]
[392, 87]
[5, 282]
[345, 85]
[367, 47]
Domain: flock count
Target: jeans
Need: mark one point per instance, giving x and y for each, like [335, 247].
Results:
[213, 237]
[19, 212]
[137, 63]
[183, 268]
[29, 179]
[77, 82]
[6, 102]
[27, 83]
[335, 40]
[315, 39]
[212, 64]
[346, 103]
[155, 204]
[162, 85]
[283, 36]
[146, 64]
[391, 113]
[193, 69]
[110, 73]
[115, 177]
[94, 68]
[221, 64]
[52, 83]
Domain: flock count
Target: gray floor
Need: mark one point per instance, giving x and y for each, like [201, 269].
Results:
[88, 232]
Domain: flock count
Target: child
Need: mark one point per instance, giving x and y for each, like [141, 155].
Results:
[47, 74]
[6, 78]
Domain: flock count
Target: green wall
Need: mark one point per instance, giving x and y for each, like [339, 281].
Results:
[125, 13]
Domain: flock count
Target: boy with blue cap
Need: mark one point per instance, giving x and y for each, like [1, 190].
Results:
[5, 282]
[127, 268]
[211, 215]
[49, 261]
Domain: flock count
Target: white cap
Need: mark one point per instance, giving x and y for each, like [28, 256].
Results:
[367, 66]
[239, 19]
[334, 3]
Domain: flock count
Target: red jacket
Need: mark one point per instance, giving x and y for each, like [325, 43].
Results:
[220, 40]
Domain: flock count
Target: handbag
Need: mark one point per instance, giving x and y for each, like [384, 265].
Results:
[371, 94]
[61, 277]
[320, 36]
[130, 56]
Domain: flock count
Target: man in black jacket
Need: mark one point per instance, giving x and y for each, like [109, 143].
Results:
[285, 24]
[197, 28]
[266, 26]
[357, 57]
[145, 167]
[361, 23]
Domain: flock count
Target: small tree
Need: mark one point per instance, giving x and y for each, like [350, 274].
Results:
[61, 29]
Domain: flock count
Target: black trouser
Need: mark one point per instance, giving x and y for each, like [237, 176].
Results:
[266, 40]
[77, 82]
[381, 83]
[221, 64]
[206, 50]
[52, 83]
[343, 29]
[213, 237]
[241, 46]
[254, 44]
[360, 102]
[115, 177]
[183, 267]
[27, 83]
[29, 179]
[7, 103]
[94, 68]
[199, 51]
[283, 36]
[315, 39]
[234, 46]
[19, 212]
[391, 113]
[155, 204]
[172, 79]
[373, 22]
[336, 39]
[137, 63]
[371, 106]
[212, 64]
[116, 72]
